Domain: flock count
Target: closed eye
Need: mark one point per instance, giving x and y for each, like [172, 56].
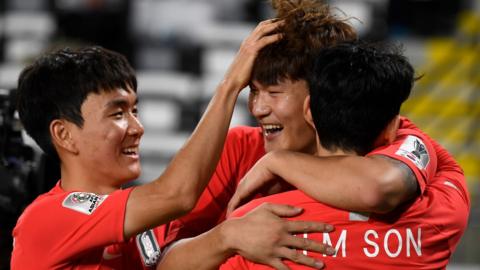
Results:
[117, 115]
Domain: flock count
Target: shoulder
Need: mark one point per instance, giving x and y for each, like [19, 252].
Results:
[244, 142]
[245, 133]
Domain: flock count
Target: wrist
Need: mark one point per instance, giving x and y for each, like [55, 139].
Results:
[274, 159]
[225, 233]
[231, 86]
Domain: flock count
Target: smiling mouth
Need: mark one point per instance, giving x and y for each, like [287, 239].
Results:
[271, 129]
[130, 151]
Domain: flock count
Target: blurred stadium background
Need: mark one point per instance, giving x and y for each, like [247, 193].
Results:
[181, 48]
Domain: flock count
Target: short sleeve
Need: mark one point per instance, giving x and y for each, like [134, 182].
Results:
[416, 151]
[64, 226]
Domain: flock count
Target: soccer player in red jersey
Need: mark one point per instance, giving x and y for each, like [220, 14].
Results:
[81, 106]
[360, 87]
[376, 183]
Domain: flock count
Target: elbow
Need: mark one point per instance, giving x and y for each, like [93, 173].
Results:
[180, 201]
[376, 203]
[383, 197]
[185, 202]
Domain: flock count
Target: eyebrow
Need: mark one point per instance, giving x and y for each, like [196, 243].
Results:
[119, 102]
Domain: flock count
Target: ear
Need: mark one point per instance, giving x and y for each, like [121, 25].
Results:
[61, 133]
[389, 133]
[307, 113]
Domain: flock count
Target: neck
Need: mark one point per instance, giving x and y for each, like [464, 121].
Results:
[77, 180]
[322, 152]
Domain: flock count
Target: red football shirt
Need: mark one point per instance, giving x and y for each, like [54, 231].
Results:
[243, 147]
[79, 230]
[420, 235]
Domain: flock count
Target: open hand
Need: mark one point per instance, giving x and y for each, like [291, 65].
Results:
[239, 72]
[263, 236]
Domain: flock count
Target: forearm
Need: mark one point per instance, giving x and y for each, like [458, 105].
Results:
[194, 164]
[176, 191]
[365, 184]
[204, 252]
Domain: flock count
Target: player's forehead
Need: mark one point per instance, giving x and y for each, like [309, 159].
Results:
[284, 84]
[105, 100]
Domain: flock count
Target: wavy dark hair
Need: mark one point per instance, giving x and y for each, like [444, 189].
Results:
[309, 27]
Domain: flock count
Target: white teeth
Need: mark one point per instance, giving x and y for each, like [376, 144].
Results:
[271, 128]
[130, 150]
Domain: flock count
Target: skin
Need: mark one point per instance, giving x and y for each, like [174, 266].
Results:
[111, 128]
[344, 182]
[261, 236]
[102, 154]
[93, 157]
[282, 105]
[339, 181]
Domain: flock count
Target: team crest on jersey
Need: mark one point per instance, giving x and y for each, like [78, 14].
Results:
[148, 247]
[83, 202]
[414, 149]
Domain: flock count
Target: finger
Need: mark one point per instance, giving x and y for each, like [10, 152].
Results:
[308, 226]
[299, 258]
[266, 40]
[302, 243]
[282, 210]
[266, 28]
[232, 205]
[279, 265]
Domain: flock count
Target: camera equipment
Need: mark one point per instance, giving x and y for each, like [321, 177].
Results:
[16, 158]
[18, 173]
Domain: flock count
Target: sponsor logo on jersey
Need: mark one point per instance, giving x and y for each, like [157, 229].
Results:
[148, 247]
[414, 149]
[83, 202]
[111, 252]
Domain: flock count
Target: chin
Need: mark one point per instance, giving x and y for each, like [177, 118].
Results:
[130, 176]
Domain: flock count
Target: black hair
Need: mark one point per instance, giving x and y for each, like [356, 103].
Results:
[356, 89]
[56, 85]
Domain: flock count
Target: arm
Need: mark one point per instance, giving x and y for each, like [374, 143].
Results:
[366, 184]
[176, 191]
[239, 153]
[261, 236]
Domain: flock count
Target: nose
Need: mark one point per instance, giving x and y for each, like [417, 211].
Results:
[259, 106]
[135, 127]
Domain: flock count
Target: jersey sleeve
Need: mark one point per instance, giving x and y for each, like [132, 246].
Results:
[62, 227]
[414, 149]
[210, 210]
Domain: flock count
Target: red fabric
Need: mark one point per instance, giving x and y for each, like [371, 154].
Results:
[408, 130]
[49, 235]
[243, 147]
[429, 230]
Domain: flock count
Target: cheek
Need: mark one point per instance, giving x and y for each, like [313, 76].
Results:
[250, 105]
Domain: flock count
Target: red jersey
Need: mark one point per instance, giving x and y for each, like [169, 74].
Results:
[79, 230]
[244, 146]
[422, 234]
